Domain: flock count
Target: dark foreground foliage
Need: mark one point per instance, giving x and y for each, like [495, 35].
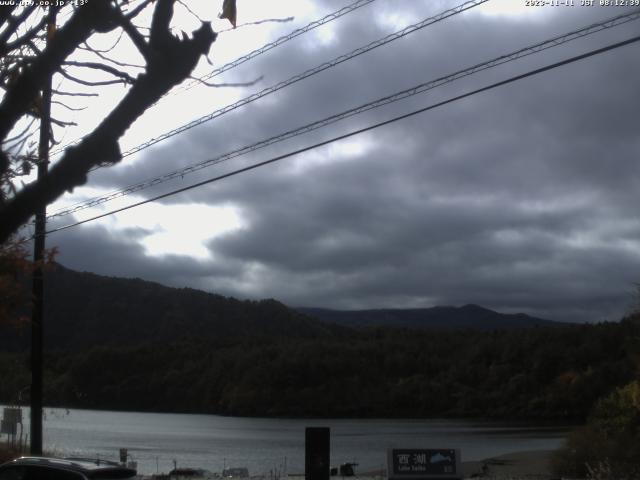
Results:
[609, 445]
[541, 373]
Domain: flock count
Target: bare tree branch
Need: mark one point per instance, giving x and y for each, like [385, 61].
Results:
[136, 11]
[186, 7]
[64, 105]
[170, 61]
[27, 37]
[93, 16]
[22, 133]
[100, 66]
[75, 94]
[13, 23]
[160, 26]
[115, 62]
[60, 123]
[36, 51]
[18, 145]
[87, 83]
[5, 13]
[135, 36]
[123, 77]
[94, 50]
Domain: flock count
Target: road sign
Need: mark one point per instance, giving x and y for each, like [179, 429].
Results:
[8, 428]
[11, 417]
[424, 463]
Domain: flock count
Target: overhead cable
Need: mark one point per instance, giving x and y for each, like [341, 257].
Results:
[421, 88]
[263, 49]
[356, 132]
[296, 78]
[276, 43]
[308, 73]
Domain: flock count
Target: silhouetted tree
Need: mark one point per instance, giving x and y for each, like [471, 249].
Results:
[27, 62]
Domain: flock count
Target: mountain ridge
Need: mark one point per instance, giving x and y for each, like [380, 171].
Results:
[84, 309]
[470, 316]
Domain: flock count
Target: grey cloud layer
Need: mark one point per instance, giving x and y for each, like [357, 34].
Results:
[521, 199]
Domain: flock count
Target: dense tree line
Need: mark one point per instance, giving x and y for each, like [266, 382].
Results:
[540, 373]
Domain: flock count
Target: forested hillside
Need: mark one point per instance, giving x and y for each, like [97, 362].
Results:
[84, 310]
[130, 344]
[542, 373]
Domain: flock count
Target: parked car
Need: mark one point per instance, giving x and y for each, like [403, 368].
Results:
[45, 468]
[190, 474]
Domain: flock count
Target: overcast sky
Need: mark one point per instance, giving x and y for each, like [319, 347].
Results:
[521, 199]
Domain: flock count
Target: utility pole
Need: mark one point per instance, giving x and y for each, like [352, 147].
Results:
[38, 258]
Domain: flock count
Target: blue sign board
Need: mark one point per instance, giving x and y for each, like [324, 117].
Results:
[427, 463]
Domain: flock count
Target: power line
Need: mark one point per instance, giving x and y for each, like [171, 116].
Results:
[357, 132]
[296, 78]
[421, 88]
[263, 49]
[276, 43]
[308, 73]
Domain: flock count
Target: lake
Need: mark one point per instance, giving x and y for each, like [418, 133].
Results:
[213, 442]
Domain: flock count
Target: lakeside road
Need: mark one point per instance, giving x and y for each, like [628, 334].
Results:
[521, 465]
[526, 465]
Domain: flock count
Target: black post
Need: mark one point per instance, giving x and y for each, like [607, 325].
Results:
[316, 450]
[38, 257]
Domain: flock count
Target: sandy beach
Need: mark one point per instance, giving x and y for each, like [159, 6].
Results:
[519, 465]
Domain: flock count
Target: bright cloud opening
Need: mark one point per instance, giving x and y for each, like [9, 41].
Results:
[182, 229]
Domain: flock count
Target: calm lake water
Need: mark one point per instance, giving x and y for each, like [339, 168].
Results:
[207, 441]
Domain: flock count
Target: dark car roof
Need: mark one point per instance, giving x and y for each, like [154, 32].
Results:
[91, 469]
[189, 472]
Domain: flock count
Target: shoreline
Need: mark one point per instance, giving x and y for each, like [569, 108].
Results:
[530, 464]
[521, 465]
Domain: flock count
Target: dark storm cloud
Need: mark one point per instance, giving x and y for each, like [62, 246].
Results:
[521, 199]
